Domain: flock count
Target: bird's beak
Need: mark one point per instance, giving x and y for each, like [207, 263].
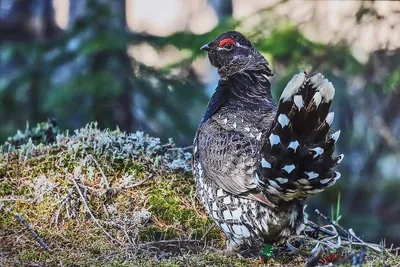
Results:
[205, 47]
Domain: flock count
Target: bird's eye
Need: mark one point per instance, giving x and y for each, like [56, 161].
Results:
[228, 46]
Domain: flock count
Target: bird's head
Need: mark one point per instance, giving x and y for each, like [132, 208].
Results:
[232, 53]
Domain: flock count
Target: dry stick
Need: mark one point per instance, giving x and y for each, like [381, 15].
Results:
[314, 259]
[172, 241]
[208, 231]
[349, 234]
[63, 202]
[319, 228]
[203, 238]
[17, 199]
[143, 182]
[33, 232]
[91, 214]
[178, 148]
[127, 236]
[340, 228]
[105, 181]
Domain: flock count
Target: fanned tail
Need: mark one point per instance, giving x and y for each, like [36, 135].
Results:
[297, 157]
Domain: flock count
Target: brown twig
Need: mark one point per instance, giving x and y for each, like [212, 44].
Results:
[143, 182]
[33, 232]
[105, 181]
[91, 214]
[63, 201]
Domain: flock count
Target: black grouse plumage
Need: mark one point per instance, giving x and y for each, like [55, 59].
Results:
[255, 162]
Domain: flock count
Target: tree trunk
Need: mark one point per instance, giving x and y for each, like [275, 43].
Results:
[118, 110]
[23, 21]
[224, 9]
[27, 20]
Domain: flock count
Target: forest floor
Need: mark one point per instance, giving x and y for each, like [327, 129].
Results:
[106, 198]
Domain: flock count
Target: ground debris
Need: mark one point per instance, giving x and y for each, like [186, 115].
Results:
[107, 198]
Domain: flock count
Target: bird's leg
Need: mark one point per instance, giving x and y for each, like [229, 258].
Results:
[266, 252]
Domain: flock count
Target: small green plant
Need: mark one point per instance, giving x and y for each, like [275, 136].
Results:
[336, 216]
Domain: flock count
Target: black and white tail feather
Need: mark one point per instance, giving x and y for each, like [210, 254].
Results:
[297, 157]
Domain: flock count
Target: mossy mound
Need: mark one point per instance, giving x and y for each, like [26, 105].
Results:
[106, 198]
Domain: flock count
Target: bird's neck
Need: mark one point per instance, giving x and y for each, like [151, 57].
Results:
[246, 91]
[249, 90]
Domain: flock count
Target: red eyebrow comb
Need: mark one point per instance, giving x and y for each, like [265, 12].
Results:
[226, 41]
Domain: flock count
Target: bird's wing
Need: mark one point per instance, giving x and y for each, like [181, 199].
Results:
[297, 156]
[217, 100]
[229, 159]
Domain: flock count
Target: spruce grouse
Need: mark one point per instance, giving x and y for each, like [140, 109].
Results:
[254, 161]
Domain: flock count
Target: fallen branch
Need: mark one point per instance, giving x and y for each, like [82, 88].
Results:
[33, 232]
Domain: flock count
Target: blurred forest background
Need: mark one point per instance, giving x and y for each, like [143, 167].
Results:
[136, 65]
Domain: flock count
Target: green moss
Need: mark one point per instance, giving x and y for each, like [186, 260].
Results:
[7, 221]
[173, 202]
[34, 255]
[5, 189]
[150, 233]
[164, 203]
[208, 259]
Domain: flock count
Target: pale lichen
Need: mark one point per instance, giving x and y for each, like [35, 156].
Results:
[115, 145]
